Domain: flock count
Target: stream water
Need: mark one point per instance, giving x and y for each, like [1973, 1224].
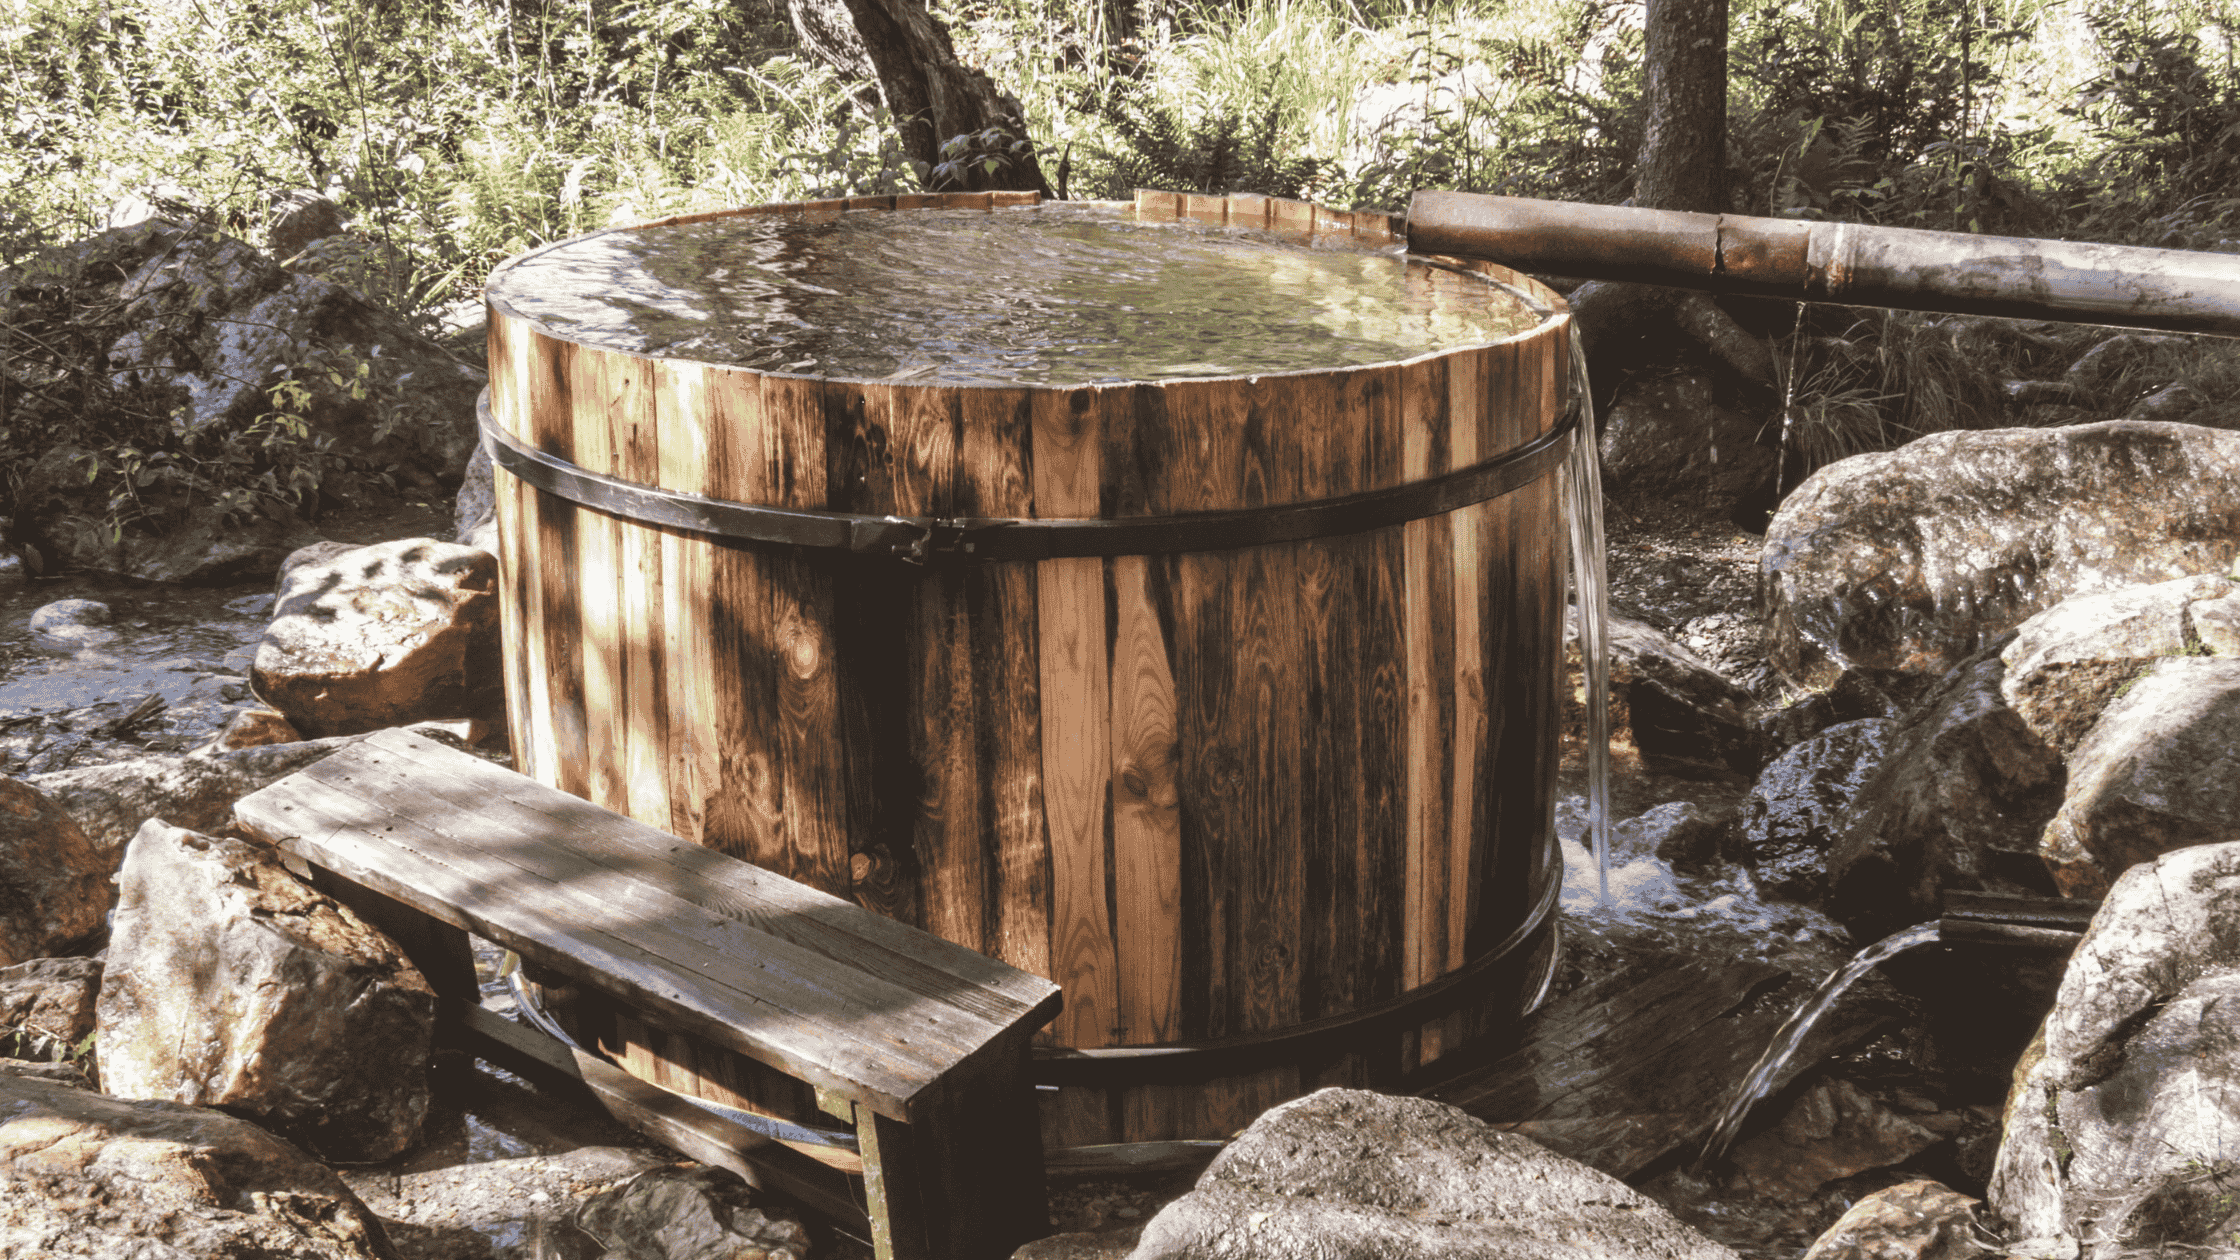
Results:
[1755, 1086]
[1582, 510]
[1059, 294]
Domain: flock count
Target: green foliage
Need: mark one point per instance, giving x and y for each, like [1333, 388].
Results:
[2165, 117]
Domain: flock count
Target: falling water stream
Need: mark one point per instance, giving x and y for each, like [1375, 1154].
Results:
[1583, 512]
[1755, 1086]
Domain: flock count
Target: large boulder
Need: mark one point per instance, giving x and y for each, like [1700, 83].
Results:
[2156, 773]
[383, 636]
[163, 341]
[1958, 802]
[109, 802]
[1914, 1220]
[2068, 661]
[2124, 1120]
[231, 984]
[54, 886]
[82, 1174]
[1913, 559]
[1347, 1173]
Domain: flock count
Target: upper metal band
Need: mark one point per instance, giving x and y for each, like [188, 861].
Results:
[922, 538]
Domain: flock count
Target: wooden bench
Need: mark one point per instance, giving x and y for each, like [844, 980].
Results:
[918, 1044]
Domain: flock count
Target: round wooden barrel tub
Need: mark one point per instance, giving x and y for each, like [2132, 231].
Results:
[1266, 782]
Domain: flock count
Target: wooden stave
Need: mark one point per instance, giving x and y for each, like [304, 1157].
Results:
[745, 808]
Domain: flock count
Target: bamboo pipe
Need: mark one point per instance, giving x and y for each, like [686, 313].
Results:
[1849, 264]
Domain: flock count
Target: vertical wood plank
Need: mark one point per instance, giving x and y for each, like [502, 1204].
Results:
[1076, 712]
[603, 384]
[1467, 734]
[1430, 703]
[1146, 812]
[558, 612]
[633, 419]
[995, 478]
[739, 762]
[801, 622]
[684, 409]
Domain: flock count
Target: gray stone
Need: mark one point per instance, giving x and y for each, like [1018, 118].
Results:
[82, 1174]
[1666, 434]
[2156, 773]
[2123, 1124]
[1833, 1130]
[516, 1208]
[1914, 558]
[299, 218]
[1343, 1173]
[231, 984]
[2128, 363]
[1803, 801]
[51, 996]
[1672, 706]
[54, 886]
[72, 625]
[690, 1214]
[1690, 837]
[2172, 402]
[110, 802]
[384, 636]
[1958, 802]
[2068, 661]
[1915, 1220]
[2045, 393]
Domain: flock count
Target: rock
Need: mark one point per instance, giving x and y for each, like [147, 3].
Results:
[82, 1174]
[2128, 364]
[320, 552]
[519, 1207]
[1667, 435]
[54, 886]
[1832, 1131]
[1912, 559]
[1958, 802]
[384, 636]
[2124, 1120]
[231, 984]
[1691, 838]
[69, 626]
[1344, 1173]
[2045, 394]
[299, 218]
[1855, 694]
[1676, 711]
[1082, 1245]
[2155, 774]
[255, 728]
[1800, 805]
[111, 801]
[477, 504]
[2068, 661]
[1919, 1220]
[673, 1213]
[2171, 402]
[51, 996]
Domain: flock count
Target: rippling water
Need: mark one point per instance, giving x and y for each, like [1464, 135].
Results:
[1057, 295]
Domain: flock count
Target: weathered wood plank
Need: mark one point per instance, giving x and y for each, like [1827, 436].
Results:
[595, 844]
[817, 816]
[633, 422]
[786, 1007]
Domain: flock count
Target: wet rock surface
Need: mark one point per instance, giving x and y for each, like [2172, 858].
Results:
[230, 983]
[2067, 662]
[2156, 773]
[1919, 1220]
[673, 1213]
[1915, 558]
[2124, 1117]
[1800, 806]
[1957, 802]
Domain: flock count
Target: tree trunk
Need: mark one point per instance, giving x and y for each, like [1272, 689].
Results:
[1684, 154]
[934, 96]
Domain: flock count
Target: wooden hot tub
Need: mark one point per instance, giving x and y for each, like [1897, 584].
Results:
[1268, 789]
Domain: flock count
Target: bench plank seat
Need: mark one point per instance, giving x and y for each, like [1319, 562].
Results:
[903, 1034]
